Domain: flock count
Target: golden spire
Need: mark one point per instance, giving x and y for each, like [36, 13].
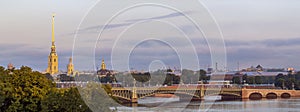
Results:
[52, 58]
[53, 38]
[103, 66]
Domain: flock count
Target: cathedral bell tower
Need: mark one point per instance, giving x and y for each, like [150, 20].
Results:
[70, 67]
[52, 58]
[103, 66]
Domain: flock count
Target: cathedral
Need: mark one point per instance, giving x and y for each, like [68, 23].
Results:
[105, 75]
[53, 57]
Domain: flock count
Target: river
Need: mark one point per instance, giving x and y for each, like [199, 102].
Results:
[156, 104]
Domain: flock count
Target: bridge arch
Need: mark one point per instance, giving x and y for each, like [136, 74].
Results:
[169, 92]
[285, 95]
[223, 93]
[271, 95]
[122, 97]
[255, 96]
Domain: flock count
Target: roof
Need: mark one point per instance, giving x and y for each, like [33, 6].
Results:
[264, 73]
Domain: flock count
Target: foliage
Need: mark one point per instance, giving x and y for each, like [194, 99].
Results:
[26, 90]
[64, 100]
[141, 77]
[290, 81]
[202, 76]
[23, 89]
[258, 80]
[236, 80]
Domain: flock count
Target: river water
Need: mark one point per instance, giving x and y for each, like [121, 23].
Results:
[156, 104]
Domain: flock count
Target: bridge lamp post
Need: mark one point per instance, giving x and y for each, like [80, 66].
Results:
[134, 98]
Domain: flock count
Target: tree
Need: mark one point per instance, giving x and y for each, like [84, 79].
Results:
[280, 83]
[279, 80]
[258, 80]
[23, 89]
[236, 80]
[251, 80]
[289, 83]
[297, 76]
[245, 77]
[202, 75]
[64, 100]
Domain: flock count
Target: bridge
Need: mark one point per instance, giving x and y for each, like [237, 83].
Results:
[191, 92]
[132, 94]
[268, 93]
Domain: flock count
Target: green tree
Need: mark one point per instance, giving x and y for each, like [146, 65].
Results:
[236, 80]
[258, 80]
[279, 80]
[289, 83]
[202, 75]
[64, 100]
[251, 80]
[245, 77]
[23, 89]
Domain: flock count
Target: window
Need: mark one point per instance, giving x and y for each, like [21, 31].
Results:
[54, 67]
[50, 59]
[54, 60]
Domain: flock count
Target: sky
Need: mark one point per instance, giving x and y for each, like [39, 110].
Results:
[149, 35]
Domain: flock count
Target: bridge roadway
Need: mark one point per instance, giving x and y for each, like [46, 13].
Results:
[132, 94]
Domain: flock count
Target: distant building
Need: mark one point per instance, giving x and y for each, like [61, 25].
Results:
[105, 75]
[70, 67]
[10, 66]
[53, 57]
[218, 76]
[259, 68]
[266, 74]
[103, 71]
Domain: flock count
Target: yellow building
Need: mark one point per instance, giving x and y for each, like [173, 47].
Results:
[103, 66]
[52, 58]
[70, 67]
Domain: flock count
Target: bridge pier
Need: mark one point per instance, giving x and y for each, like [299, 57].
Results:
[134, 100]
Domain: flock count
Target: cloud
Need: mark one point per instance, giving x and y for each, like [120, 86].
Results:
[282, 42]
[270, 52]
[108, 26]
[171, 15]
[94, 29]
[266, 42]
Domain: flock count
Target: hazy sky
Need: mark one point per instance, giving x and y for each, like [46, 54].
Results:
[142, 33]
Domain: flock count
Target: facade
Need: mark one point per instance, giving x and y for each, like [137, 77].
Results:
[53, 57]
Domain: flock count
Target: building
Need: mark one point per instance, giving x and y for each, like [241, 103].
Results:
[103, 72]
[105, 75]
[70, 67]
[10, 66]
[53, 57]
